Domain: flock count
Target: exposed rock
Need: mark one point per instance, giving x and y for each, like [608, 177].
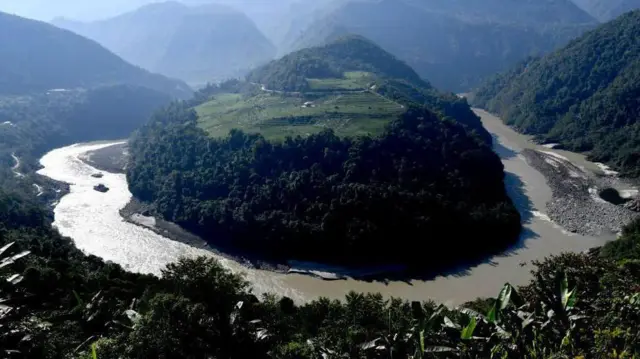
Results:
[101, 188]
[576, 205]
[633, 205]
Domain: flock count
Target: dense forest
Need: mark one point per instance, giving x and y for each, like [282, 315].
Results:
[584, 96]
[37, 57]
[35, 124]
[326, 198]
[346, 53]
[385, 75]
[64, 304]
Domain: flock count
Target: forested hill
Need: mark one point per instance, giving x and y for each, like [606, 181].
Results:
[322, 197]
[197, 44]
[585, 96]
[346, 53]
[32, 125]
[36, 57]
[453, 44]
[359, 74]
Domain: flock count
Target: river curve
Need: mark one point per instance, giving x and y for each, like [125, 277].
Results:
[93, 221]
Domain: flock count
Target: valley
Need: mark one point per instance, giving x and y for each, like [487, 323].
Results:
[320, 192]
[141, 250]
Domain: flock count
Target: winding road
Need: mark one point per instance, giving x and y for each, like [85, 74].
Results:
[16, 166]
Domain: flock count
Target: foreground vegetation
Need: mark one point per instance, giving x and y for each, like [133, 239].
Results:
[67, 305]
[584, 96]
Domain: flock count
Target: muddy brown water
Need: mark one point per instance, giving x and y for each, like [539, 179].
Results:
[92, 219]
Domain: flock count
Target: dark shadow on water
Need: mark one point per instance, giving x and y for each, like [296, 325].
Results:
[505, 153]
[516, 190]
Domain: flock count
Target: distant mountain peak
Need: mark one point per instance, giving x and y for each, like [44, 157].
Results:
[37, 56]
[183, 41]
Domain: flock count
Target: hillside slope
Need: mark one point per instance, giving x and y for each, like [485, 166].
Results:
[361, 151]
[453, 47]
[197, 44]
[349, 78]
[539, 14]
[36, 57]
[605, 10]
[38, 123]
[585, 96]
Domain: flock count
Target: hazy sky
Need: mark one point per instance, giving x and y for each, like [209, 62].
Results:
[75, 9]
[100, 9]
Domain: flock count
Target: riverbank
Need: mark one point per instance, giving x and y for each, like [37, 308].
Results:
[94, 222]
[113, 159]
[140, 214]
[576, 205]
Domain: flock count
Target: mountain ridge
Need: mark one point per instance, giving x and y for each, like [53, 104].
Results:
[163, 37]
[58, 58]
[454, 54]
[605, 10]
[584, 96]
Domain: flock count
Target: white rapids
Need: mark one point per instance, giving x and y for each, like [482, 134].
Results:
[93, 221]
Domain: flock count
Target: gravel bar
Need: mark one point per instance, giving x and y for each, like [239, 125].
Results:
[576, 205]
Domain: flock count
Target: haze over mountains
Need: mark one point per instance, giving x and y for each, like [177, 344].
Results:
[197, 44]
[60, 59]
[459, 42]
[605, 10]
[338, 161]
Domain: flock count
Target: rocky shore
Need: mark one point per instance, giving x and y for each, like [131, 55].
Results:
[576, 205]
[113, 159]
[140, 214]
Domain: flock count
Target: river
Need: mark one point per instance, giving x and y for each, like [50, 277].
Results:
[93, 221]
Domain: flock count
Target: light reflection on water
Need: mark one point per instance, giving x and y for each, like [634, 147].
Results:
[92, 219]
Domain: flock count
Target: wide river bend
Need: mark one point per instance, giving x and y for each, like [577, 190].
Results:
[93, 221]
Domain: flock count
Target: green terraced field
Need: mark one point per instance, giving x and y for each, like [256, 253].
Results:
[279, 115]
[352, 81]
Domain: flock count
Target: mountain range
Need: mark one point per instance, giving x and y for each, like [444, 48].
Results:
[333, 151]
[586, 96]
[197, 44]
[37, 57]
[453, 44]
